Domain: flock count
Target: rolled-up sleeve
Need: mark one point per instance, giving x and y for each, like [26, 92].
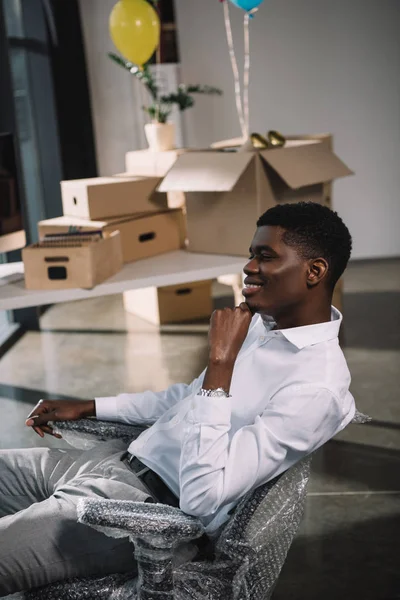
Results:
[219, 465]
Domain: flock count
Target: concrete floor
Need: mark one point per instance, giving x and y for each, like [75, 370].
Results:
[348, 546]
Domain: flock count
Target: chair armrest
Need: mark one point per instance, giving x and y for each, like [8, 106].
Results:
[157, 531]
[165, 525]
[85, 433]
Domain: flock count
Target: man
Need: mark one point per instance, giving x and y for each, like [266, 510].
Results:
[276, 387]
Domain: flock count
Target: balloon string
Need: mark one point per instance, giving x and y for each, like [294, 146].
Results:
[246, 73]
[158, 62]
[235, 70]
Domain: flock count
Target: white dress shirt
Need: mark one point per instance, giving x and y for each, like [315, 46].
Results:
[290, 394]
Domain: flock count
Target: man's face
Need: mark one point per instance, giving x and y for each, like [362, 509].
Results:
[276, 275]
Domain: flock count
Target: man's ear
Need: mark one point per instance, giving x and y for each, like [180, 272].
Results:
[317, 270]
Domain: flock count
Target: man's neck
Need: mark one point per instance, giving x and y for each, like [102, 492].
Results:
[306, 315]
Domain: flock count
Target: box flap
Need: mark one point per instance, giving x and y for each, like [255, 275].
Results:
[305, 164]
[206, 172]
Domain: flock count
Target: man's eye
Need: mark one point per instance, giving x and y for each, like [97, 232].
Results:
[266, 256]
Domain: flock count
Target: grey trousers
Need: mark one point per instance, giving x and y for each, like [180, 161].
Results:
[40, 539]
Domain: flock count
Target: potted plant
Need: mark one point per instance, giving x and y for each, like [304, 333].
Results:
[159, 132]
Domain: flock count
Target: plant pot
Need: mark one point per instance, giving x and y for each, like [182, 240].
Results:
[160, 136]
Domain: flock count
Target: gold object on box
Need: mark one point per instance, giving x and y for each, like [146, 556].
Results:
[259, 141]
[276, 139]
[273, 139]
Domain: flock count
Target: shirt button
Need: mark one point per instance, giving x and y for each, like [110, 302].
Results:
[261, 338]
[175, 420]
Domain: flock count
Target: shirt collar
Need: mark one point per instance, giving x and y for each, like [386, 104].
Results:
[308, 335]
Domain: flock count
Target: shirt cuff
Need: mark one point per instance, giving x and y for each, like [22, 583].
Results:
[106, 408]
[210, 411]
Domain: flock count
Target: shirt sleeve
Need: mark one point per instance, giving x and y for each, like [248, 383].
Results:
[218, 466]
[144, 408]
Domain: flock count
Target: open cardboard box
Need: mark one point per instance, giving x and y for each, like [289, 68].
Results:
[75, 263]
[226, 191]
[103, 197]
[172, 303]
[151, 164]
[142, 236]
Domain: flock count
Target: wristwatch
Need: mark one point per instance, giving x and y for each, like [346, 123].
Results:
[218, 393]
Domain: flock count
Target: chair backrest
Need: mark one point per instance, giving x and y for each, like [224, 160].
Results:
[259, 534]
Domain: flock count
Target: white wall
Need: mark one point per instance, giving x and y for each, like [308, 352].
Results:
[115, 120]
[317, 65]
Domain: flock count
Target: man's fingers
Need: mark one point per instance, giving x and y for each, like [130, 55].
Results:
[46, 429]
[50, 431]
[38, 431]
[38, 420]
[37, 410]
[244, 306]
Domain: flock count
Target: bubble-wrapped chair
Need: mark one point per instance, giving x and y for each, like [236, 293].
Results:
[243, 564]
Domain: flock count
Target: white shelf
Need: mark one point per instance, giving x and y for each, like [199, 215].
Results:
[168, 269]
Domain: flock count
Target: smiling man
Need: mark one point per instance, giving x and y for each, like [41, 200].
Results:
[276, 387]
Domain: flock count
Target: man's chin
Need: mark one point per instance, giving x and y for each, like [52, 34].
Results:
[257, 307]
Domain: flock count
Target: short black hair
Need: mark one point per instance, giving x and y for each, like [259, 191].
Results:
[315, 230]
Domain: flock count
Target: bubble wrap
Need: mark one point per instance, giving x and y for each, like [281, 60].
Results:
[248, 554]
[359, 418]
[86, 433]
[252, 548]
[164, 525]
[112, 587]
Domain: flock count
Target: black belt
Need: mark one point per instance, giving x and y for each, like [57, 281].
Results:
[151, 480]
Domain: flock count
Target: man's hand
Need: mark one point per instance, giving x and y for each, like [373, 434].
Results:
[228, 330]
[58, 410]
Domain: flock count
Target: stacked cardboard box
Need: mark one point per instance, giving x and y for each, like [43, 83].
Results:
[171, 304]
[62, 262]
[131, 205]
[127, 212]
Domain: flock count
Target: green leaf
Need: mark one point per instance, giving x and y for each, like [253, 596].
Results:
[199, 89]
[158, 113]
[161, 107]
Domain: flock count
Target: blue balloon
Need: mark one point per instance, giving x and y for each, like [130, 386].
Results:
[247, 4]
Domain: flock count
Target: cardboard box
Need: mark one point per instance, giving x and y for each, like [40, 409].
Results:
[226, 192]
[78, 263]
[142, 235]
[155, 164]
[151, 164]
[327, 139]
[171, 304]
[103, 197]
[171, 199]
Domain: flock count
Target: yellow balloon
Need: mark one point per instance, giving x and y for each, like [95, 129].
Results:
[135, 30]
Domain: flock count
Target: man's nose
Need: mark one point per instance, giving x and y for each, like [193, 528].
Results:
[251, 267]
